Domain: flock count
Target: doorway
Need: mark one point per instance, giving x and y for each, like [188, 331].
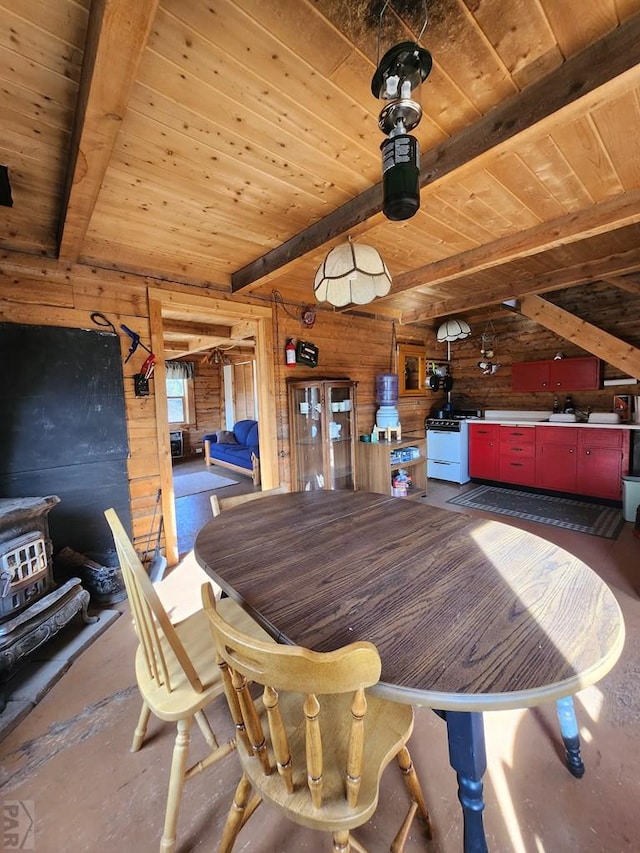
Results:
[229, 321]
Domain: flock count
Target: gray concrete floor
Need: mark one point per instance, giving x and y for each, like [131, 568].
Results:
[68, 763]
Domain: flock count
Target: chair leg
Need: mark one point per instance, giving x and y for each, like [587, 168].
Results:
[236, 817]
[176, 785]
[341, 842]
[413, 786]
[141, 727]
[206, 729]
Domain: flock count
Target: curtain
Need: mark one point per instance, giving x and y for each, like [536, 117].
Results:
[180, 369]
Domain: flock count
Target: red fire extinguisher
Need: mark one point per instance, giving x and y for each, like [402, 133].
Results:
[290, 353]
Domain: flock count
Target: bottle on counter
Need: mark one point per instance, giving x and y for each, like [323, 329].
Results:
[556, 406]
[568, 405]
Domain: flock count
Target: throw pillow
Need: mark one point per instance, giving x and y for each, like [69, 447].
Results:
[225, 436]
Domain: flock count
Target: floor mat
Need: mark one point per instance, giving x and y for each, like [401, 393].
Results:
[596, 519]
[202, 481]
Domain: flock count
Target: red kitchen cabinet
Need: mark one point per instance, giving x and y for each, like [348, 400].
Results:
[484, 440]
[530, 376]
[585, 461]
[575, 374]
[557, 460]
[556, 466]
[603, 458]
[565, 374]
[517, 455]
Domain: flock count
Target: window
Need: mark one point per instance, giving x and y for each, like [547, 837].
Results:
[180, 401]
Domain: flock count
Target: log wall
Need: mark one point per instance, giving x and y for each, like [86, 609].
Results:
[209, 404]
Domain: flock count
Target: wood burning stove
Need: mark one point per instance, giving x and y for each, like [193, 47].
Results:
[32, 607]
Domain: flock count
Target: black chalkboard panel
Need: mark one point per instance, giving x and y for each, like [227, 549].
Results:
[85, 491]
[63, 428]
[62, 401]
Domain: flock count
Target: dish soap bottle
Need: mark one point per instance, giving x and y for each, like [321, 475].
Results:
[568, 405]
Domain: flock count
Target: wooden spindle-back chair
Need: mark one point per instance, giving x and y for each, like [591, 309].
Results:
[316, 724]
[176, 673]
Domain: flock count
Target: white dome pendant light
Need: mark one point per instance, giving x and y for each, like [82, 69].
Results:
[351, 273]
[453, 330]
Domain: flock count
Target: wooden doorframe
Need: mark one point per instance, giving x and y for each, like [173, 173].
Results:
[258, 321]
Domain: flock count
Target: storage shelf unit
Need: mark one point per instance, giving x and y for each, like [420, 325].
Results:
[378, 461]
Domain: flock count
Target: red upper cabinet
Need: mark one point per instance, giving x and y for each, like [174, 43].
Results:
[530, 376]
[564, 374]
[575, 374]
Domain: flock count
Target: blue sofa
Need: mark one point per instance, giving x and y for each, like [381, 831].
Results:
[235, 449]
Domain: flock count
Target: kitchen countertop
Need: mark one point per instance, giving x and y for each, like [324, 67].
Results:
[560, 424]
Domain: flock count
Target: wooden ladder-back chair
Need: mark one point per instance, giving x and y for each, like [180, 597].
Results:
[328, 770]
[220, 504]
[179, 594]
[176, 673]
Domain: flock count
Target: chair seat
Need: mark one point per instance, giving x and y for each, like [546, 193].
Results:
[387, 727]
[195, 634]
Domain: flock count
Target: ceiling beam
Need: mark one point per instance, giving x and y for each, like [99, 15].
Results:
[590, 338]
[244, 329]
[607, 215]
[116, 38]
[604, 60]
[596, 270]
[193, 346]
[187, 328]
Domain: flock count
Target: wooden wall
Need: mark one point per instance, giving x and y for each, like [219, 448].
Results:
[349, 348]
[44, 292]
[209, 404]
[243, 387]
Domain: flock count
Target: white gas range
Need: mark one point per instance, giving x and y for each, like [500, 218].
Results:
[448, 447]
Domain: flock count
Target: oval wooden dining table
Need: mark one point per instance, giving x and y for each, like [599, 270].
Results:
[468, 614]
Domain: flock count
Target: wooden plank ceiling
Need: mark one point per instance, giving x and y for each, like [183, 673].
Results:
[231, 143]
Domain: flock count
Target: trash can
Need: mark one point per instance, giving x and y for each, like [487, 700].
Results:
[630, 497]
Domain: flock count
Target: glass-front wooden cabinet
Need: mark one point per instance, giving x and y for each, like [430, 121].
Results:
[412, 370]
[322, 418]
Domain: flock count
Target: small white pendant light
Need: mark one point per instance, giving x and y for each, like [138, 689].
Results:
[351, 273]
[453, 330]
